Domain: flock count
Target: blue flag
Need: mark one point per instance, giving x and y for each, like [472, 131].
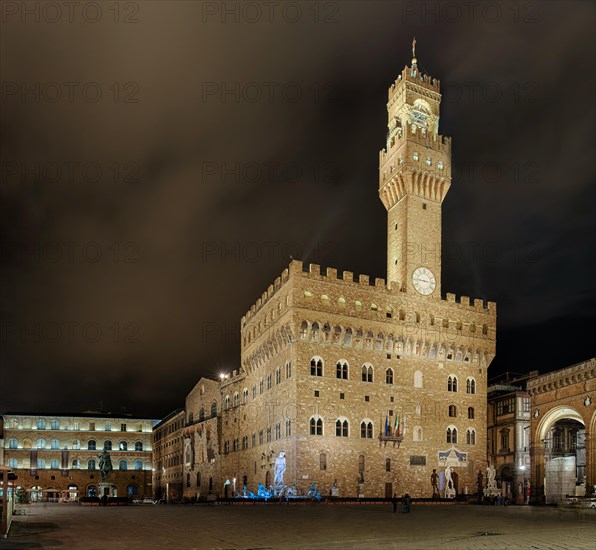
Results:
[386, 426]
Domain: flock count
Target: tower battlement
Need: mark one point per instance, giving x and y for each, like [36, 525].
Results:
[410, 133]
[412, 75]
[314, 272]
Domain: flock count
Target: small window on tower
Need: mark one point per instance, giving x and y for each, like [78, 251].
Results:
[415, 156]
[316, 393]
[423, 206]
[396, 227]
[440, 165]
[429, 161]
[366, 398]
[342, 395]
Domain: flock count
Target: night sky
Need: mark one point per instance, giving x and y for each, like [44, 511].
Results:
[161, 163]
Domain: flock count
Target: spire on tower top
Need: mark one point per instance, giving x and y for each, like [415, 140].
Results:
[414, 51]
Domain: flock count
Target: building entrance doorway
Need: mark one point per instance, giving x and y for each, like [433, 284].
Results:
[388, 490]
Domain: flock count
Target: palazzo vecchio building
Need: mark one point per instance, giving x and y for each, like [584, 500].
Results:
[366, 385]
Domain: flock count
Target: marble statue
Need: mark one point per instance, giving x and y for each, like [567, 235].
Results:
[434, 481]
[279, 469]
[448, 478]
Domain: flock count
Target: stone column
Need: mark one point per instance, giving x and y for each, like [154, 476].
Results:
[537, 472]
[590, 462]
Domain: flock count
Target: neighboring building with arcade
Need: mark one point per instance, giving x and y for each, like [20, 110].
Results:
[563, 428]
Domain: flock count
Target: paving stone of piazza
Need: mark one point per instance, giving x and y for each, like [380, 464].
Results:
[300, 526]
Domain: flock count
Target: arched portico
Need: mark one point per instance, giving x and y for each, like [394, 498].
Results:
[558, 454]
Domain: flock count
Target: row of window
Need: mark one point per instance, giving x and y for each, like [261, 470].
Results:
[55, 464]
[43, 424]
[313, 331]
[264, 383]
[342, 429]
[55, 444]
[264, 436]
[453, 412]
[367, 375]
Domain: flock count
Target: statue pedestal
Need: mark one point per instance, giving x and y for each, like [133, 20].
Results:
[277, 490]
[107, 489]
[492, 490]
[450, 492]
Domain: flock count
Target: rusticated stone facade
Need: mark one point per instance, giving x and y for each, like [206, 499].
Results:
[335, 368]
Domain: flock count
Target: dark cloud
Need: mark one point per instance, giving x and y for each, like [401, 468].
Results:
[125, 287]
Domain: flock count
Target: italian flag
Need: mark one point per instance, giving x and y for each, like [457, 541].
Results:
[396, 425]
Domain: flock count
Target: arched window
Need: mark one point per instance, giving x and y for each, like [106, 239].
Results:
[367, 373]
[452, 411]
[323, 461]
[123, 446]
[316, 426]
[341, 370]
[418, 379]
[201, 414]
[55, 424]
[452, 434]
[470, 385]
[13, 443]
[91, 464]
[123, 465]
[41, 463]
[41, 424]
[417, 434]
[190, 417]
[54, 444]
[138, 446]
[54, 464]
[107, 445]
[316, 366]
[91, 445]
[41, 443]
[366, 429]
[470, 412]
[12, 463]
[389, 376]
[471, 436]
[245, 396]
[236, 399]
[227, 401]
[341, 428]
[387, 464]
[213, 409]
[76, 464]
[452, 383]
[91, 491]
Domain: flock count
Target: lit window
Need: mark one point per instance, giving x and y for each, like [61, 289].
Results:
[440, 165]
[415, 156]
[429, 161]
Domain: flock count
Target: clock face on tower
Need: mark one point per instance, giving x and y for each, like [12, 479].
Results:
[424, 281]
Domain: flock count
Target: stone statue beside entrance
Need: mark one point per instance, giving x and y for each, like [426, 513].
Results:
[434, 481]
[279, 469]
[449, 487]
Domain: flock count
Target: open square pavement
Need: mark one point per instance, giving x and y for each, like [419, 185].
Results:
[300, 526]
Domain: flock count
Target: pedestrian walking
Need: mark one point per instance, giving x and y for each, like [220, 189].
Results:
[394, 500]
[406, 503]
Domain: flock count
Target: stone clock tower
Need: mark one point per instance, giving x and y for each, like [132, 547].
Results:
[414, 177]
